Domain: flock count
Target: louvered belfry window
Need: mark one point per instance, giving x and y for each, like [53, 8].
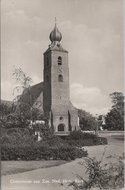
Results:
[59, 60]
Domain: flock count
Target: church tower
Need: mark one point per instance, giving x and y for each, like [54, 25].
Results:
[58, 110]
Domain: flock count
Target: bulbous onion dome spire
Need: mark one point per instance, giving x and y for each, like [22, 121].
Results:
[55, 35]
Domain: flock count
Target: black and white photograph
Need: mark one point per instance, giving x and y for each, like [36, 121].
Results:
[62, 95]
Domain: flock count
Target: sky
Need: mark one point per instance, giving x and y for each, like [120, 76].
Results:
[92, 32]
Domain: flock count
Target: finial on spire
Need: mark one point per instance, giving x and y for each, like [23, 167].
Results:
[55, 20]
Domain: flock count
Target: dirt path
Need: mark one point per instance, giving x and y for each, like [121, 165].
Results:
[51, 178]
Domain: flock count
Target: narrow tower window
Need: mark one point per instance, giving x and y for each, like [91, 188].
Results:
[60, 78]
[59, 60]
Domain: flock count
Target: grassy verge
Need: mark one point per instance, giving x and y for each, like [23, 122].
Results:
[13, 167]
[118, 137]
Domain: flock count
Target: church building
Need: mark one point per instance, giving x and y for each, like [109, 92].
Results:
[60, 113]
[52, 96]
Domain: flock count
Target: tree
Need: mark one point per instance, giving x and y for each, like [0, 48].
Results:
[87, 121]
[24, 103]
[23, 82]
[6, 108]
[115, 118]
[118, 101]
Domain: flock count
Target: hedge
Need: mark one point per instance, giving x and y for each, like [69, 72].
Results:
[77, 138]
[20, 144]
[84, 139]
[38, 152]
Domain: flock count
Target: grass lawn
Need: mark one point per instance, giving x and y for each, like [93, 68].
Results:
[118, 137]
[13, 167]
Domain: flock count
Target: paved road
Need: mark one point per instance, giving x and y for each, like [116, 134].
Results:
[51, 178]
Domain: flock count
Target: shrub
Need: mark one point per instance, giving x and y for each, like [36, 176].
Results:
[16, 136]
[78, 138]
[45, 130]
[37, 151]
[53, 141]
[101, 141]
[76, 135]
[14, 125]
[18, 143]
[102, 175]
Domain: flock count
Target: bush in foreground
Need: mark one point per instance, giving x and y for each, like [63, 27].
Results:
[109, 175]
[39, 152]
[21, 144]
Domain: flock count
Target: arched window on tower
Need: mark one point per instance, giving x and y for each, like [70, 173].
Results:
[60, 78]
[59, 60]
[61, 127]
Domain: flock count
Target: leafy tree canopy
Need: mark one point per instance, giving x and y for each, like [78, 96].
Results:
[115, 118]
[117, 99]
[87, 120]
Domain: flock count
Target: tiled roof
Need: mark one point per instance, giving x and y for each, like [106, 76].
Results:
[31, 94]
